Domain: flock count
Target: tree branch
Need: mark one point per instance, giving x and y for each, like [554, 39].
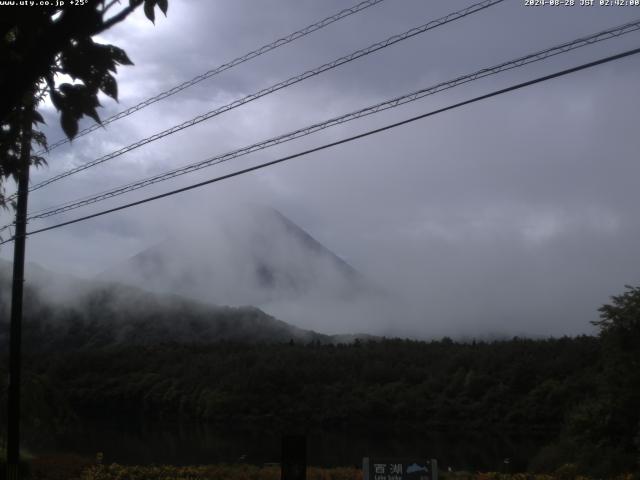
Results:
[106, 8]
[124, 13]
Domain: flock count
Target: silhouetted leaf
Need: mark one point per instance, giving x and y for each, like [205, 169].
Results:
[148, 10]
[109, 86]
[57, 100]
[66, 89]
[101, 58]
[91, 112]
[164, 5]
[120, 56]
[37, 117]
[38, 161]
[69, 124]
[40, 138]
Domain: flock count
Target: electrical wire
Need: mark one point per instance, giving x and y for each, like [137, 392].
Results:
[278, 86]
[221, 68]
[344, 140]
[376, 108]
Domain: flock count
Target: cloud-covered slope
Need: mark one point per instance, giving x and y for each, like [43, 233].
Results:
[66, 313]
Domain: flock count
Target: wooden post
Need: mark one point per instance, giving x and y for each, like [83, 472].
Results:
[365, 468]
[13, 404]
[294, 457]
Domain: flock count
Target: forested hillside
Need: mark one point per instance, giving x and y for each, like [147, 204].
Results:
[64, 313]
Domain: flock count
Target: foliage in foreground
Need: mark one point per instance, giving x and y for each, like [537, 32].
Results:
[74, 467]
[218, 472]
[251, 472]
[65, 48]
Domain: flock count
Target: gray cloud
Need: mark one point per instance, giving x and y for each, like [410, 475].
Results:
[516, 215]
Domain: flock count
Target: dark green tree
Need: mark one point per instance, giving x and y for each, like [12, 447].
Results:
[604, 429]
[37, 46]
[622, 316]
[620, 333]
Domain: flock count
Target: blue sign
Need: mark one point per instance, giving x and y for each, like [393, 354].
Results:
[399, 469]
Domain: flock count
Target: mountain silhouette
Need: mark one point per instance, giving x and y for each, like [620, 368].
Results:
[255, 256]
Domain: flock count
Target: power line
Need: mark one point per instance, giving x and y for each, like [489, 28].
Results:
[382, 106]
[278, 86]
[344, 140]
[221, 68]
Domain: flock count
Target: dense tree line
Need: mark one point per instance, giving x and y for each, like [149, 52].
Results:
[509, 384]
[517, 385]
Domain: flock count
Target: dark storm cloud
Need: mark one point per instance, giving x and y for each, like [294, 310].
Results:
[513, 216]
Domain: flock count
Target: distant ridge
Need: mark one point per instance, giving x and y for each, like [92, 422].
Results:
[64, 313]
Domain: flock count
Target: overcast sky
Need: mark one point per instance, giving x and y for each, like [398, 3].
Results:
[516, 215]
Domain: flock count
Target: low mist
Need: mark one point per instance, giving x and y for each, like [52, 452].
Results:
[484, 286]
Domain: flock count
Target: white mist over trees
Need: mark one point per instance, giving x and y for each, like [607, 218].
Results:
[254, 255]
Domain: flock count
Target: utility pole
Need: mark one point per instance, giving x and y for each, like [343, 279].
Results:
[13, 404]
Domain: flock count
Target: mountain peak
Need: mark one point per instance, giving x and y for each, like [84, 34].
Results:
[255, 256]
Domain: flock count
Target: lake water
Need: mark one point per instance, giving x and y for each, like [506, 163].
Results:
[190, 444]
